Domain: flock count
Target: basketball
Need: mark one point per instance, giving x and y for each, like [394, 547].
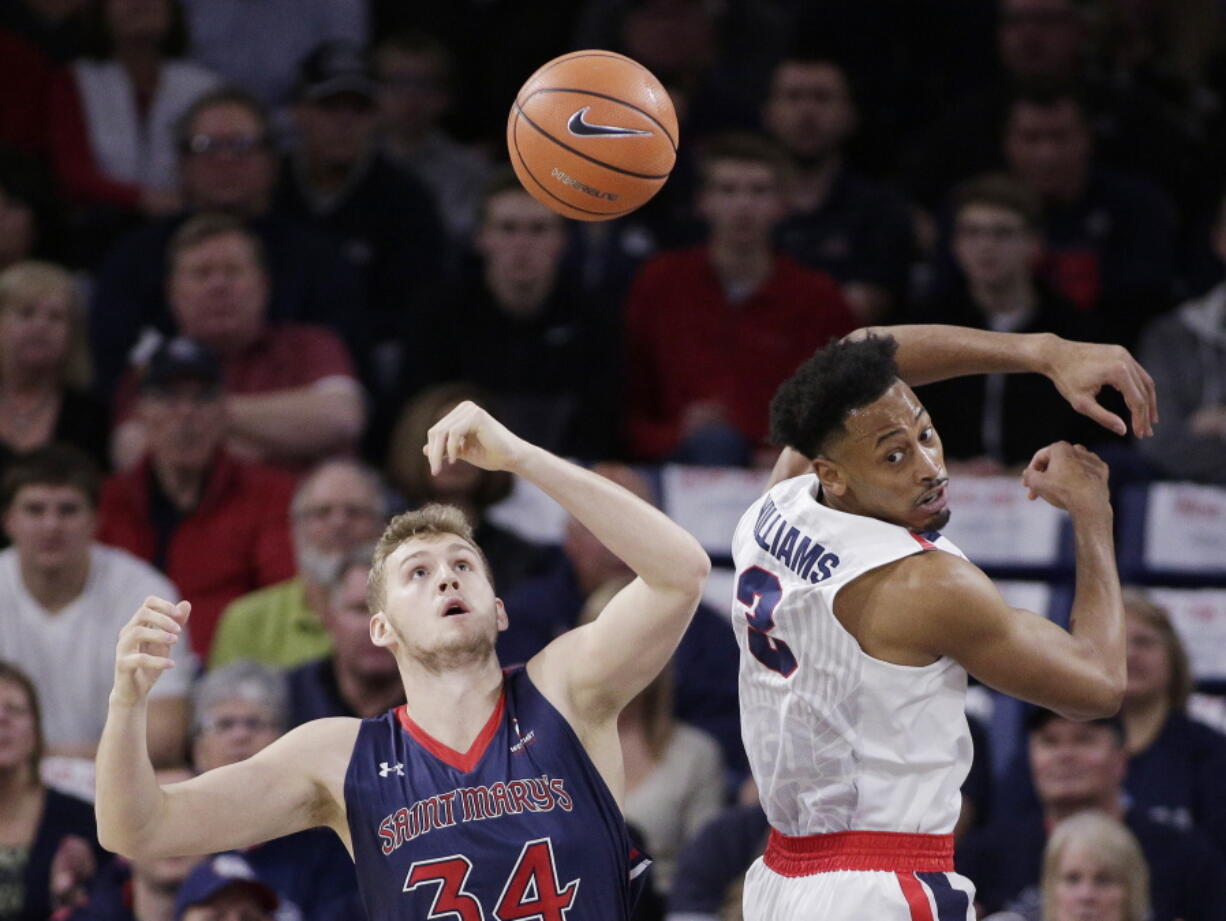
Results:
[592, 135]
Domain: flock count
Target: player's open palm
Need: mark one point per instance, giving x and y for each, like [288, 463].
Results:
[143, 650]
[469, 433]
[1070, 477]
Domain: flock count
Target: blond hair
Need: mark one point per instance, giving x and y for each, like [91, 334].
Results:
[428, 521]
[1110, 841]
[32, 279]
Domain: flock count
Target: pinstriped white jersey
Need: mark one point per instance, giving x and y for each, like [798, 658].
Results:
[838, 740]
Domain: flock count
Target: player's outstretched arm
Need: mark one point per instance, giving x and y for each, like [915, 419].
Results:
[601, 666]
[928, 353]
[291, 785]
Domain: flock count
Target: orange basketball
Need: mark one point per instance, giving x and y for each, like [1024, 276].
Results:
[592, 135]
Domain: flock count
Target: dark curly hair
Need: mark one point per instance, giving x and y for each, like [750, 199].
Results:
[810, 406]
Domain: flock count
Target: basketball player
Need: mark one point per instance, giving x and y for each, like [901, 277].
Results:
[858, 621]
[487, 795]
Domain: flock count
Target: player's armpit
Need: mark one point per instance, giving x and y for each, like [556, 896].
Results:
[953, 609]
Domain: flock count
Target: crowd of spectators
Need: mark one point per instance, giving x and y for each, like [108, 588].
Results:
[250, 251]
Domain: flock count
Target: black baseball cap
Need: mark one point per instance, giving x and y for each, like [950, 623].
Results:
[334, 68]
[1038, 717]
[220, 872]
[180, 359]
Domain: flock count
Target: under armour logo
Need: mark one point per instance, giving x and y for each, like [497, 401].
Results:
[385, 769]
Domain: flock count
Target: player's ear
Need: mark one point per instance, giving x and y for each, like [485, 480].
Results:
[831, 475]
[381, 633]
[500, 615]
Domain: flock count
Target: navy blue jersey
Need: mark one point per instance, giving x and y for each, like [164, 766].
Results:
[520, 826]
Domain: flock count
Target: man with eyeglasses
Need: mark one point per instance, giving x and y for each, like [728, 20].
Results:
[227, 164]
[996, 244]
[217, 525]
[337, 507]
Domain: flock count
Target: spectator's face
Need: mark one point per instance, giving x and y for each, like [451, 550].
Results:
[336, 131]
[742, 201]
[1087, 888]
[994, 247]
[348, 625]
[671, 38]
[1149, 665]
[35, 331]
[51, 526]
[219, 293]
[232, 731]
[338, 511]
[17, 730]
[185, 423]
[229, 166]
[1048, 148]
[16, 230]
[412, 94]
[809, 110]
[520, 239]
[137, 20]
[232, 904]
[1075, 763]
[1040, 39]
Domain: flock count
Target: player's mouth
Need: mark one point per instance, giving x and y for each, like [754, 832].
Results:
[934, 500]
[453, 607]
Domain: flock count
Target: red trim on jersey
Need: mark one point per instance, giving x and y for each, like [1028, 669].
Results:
[859, 850]
[917, 899]
[461, 761]
[923, 541]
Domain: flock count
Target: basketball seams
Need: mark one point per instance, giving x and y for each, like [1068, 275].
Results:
[629, 105]
[528, 171]
[579, 55]
[578, 153]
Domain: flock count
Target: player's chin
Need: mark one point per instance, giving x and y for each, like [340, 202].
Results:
[932, 522]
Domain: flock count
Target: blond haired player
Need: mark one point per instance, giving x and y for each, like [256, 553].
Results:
[858, 621]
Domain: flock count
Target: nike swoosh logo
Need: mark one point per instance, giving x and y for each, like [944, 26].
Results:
[581, 127]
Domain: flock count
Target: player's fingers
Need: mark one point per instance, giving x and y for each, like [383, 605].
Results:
[144, 660]
[1136, 396]
[1088, 406]
[161, 605]
[142, 634]
[183, 610]
[455, 443]
[434, 448]
[155, 618]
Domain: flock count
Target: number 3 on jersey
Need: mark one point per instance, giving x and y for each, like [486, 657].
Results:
[531, 893]
[760, 592]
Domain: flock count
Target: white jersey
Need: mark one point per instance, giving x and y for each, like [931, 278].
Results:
[838, 740]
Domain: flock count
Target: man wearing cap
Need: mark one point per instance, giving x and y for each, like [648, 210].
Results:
[338, 182]
[218, 526]
[62, 596]
[225, 888]
[1078, 766]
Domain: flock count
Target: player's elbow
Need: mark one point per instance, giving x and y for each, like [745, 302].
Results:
[1101, 699]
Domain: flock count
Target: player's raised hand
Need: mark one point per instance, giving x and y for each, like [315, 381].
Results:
[1081, 369]
[1068, 477]
[143, 650]
[469, 433]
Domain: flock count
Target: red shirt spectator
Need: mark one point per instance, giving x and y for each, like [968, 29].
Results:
[690, 343]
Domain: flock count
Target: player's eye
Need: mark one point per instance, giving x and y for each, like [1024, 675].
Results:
[893, 457]
[463, 565]
[926, 434]
[420, 571]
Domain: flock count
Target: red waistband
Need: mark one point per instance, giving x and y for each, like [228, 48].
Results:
[859, 850]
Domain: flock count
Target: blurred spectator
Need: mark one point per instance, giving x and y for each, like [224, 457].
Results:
[237, 711]
[25, 75]
[997, 421]
[217, 525]
[416, 79]
[338, 182]
[35, 820]
[1185, 352]
[712, 864]
[290, 391]
[258, 44]
[226, 164]
[1109, 236]
[840, 222]
[337, 507]
[225, 888]
[473, 490]
[30, 216]
[1079, 766]
[698, 318]
[1094, 868]
[1175, 764]
[358, 678]
[58, 27]
[705, 663]
[139, 890]
[113, 115]
[521, 331]
[65, 600]
[44, 365]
